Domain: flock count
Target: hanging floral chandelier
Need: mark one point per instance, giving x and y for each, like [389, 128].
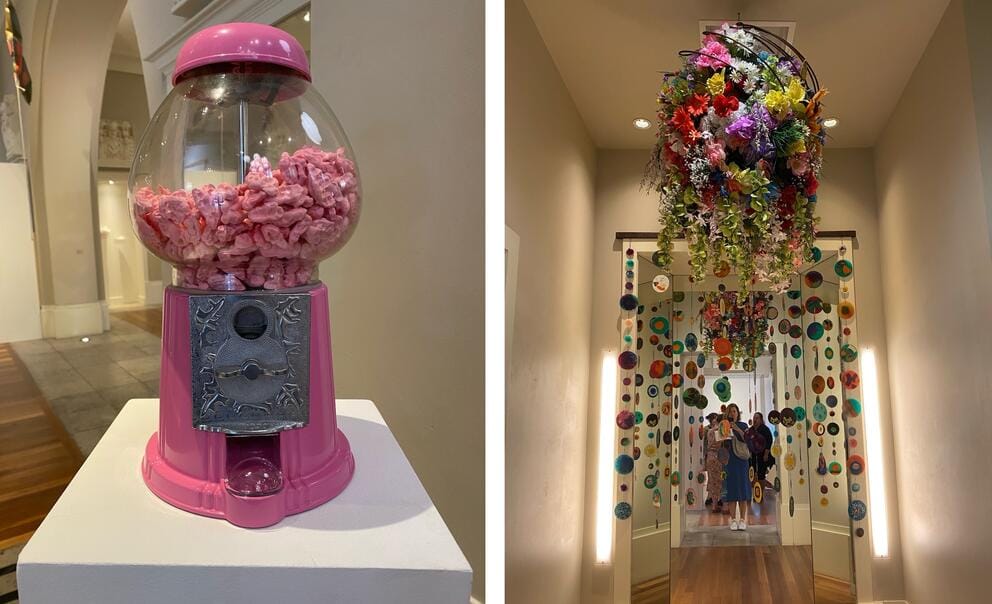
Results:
[734, 326]
[739, 150]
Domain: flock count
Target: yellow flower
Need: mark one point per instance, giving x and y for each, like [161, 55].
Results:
[777, 103]
[716, 84]
[795, 147]
[796, 94]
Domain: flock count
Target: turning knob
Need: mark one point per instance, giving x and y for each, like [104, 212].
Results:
[251, 370]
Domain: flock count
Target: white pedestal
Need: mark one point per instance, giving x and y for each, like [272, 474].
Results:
[110, 540]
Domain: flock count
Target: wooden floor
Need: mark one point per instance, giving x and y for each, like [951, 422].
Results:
[759, 513]
[37, 456]
[149, 319]
[742, 575]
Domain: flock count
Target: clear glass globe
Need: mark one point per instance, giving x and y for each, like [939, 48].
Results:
[244, 179]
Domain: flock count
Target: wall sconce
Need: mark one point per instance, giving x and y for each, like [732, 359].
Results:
[876, 468]
[604, 482]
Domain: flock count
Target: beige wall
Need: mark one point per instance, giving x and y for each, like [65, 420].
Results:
[406, 81]
[846, 201]
[75, 62]
[937, 275]
[550, 164]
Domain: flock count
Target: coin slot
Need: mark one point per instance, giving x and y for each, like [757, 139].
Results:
[250, 322]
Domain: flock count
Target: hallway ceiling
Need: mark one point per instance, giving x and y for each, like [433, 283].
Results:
[609, 53]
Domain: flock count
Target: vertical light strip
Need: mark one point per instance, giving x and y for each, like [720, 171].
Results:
[604, 482]
[876, 459]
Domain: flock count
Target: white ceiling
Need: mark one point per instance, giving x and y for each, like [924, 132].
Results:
[609, 53]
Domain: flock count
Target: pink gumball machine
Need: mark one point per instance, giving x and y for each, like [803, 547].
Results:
[244, 181]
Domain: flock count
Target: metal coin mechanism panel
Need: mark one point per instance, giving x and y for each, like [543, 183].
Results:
[250, 355]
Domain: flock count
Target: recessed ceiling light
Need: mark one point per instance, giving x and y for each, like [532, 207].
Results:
[641, 124]
[306, 16]
[110, 182]
[830, 122]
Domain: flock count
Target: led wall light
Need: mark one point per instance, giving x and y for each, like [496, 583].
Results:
[604, 481]
[876, 465]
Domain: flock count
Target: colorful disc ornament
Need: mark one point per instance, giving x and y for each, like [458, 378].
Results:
[722, 346]
[814, 305]
[813, 279]
[814, 330]
[774, 417]
[845, 310]
[721, 388]
[852, 407]
[788, 417]
[627, 360]
[691, 342]
[850, 379]
[622, 510]
[790, 461]
[659, 369]
[848, 353]
[725, 363]
[628, 302]
[856, 464]
[857, 510]
[844, 268]
[624, 464]
[819, 411]
[659, 325]
[691, 370]
[625, 420]
[660, 283]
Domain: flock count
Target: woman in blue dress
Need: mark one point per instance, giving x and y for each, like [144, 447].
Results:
[737, 483]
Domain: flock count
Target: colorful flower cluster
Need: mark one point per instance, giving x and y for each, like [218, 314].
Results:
[740, 146]
[739, 318]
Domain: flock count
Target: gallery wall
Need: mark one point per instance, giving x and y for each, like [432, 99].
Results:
[124, 99]
[937, 274]
[846, 201]
[550, 165]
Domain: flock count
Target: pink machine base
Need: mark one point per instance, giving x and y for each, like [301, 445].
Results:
[185, 467]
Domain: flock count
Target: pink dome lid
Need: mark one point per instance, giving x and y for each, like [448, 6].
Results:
[236, 42]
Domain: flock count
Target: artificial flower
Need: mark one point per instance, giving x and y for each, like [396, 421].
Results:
[713, 55]
[715, 153]
[725, 105]
[739, 150]
[741, 128]
[682, 122]
[777, 103]
[697, 104]
[716, 84]
[796, 94]
[799, 164]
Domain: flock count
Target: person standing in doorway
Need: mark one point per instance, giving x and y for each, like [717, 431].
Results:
[714, 467]
[759, 439]
[738, 483]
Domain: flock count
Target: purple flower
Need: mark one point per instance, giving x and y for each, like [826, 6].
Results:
[742, 127]
[761, 114]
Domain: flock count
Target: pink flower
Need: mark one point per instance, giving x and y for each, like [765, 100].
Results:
[798, 164]
[714, 55]
[715, 153]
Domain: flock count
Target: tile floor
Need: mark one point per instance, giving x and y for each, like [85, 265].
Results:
[87, 383]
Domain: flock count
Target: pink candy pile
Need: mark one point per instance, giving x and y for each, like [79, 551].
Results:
[267, 232]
